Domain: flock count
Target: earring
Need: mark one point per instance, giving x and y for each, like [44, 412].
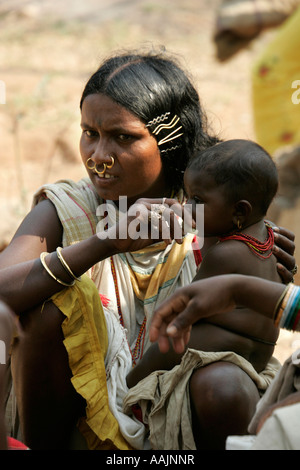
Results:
[239, 224]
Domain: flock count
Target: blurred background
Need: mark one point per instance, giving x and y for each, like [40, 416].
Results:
[49, 48]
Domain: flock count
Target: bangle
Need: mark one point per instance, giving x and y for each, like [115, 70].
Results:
[286, 309]
[282, 309]
[42, 258]
[288, 316]
[277, 309]
[65, 265]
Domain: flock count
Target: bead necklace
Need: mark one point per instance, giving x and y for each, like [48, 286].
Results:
[139, 344]
[259, 248]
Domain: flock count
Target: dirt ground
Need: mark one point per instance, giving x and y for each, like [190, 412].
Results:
[48, 48]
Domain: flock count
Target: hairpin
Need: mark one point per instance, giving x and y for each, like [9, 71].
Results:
[166, 126]
[170, 149]
[158, 119]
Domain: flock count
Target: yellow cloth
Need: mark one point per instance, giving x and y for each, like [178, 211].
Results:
[147, 285]
[276, 117]
[86, 342]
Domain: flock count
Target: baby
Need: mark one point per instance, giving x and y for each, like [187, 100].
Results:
[236, 182]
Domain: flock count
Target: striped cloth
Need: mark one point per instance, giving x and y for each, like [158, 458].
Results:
[133, 284]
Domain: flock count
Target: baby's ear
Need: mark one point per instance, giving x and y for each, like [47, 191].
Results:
[241, 213]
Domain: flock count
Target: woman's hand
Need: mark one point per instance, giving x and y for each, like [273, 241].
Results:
[146, 222]
[284, 249]
[174, 318]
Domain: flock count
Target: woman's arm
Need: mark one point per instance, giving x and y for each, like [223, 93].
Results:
[24, 282]
[207, 297]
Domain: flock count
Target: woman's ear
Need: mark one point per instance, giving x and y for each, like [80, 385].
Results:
[242, 211]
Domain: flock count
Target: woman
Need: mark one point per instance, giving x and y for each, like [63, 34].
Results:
[141, 123]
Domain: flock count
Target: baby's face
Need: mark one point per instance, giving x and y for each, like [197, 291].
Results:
[201, 188]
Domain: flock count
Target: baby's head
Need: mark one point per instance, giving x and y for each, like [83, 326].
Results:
[239, 170]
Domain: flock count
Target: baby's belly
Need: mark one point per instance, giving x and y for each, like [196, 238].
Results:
[213, 337]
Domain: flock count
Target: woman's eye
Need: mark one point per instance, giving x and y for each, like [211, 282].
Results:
[124, 137]
[90, 133]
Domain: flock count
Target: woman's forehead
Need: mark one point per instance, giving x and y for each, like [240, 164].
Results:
[102, 110]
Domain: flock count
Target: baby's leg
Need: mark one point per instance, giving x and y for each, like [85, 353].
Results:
[154, 360]
[151, 361]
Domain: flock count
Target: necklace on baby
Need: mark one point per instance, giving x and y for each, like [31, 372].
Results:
[261, 249]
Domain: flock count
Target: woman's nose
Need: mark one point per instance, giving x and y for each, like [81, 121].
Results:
[100, 153]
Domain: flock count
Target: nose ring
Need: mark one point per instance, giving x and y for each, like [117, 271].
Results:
[94, 166]
[112, 162]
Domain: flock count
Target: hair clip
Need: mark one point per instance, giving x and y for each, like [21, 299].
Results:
[170, 149]
[158, 119]
[166, 126]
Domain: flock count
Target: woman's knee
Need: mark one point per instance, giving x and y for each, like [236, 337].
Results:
[39, 350]
[222, 381]
[223, 401]
[48, 404]
[43, 320]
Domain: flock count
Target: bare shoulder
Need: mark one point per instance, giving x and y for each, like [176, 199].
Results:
[40, 230]
[222, 258]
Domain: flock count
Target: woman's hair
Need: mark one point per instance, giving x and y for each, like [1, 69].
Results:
[156, 89]
[245, 170]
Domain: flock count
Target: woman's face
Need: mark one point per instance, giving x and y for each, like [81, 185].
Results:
[110, 129]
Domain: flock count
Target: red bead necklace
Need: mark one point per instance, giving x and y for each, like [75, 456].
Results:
[261, 249]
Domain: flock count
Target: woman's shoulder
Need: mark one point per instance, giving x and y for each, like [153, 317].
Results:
[68, 193]
[66, 186]
[76, 205]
